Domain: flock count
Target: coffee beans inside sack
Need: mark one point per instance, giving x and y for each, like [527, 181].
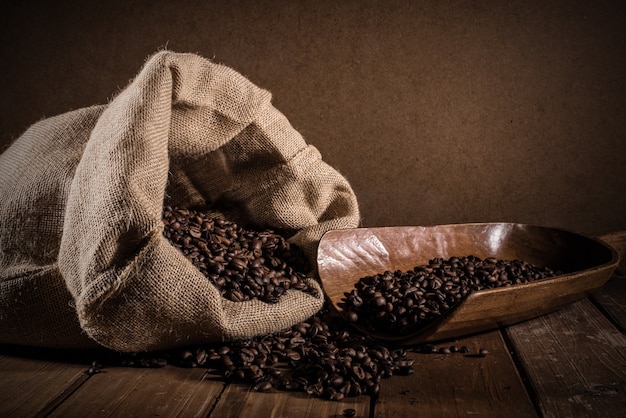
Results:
[243, 264]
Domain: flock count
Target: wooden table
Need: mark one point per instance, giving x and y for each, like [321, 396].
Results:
[571, 363]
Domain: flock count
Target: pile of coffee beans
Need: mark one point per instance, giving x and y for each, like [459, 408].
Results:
[320, 356]
[404, 302]
[242, 263]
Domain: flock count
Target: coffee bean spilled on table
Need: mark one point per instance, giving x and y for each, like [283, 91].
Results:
[323, 356]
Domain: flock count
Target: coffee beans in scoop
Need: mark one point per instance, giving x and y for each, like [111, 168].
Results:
[404, 302]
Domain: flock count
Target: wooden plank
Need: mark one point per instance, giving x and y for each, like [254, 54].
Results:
[28, 385]
[575, 360]
[612, 299]
[451, 385]
[130, 392]
[242, 401]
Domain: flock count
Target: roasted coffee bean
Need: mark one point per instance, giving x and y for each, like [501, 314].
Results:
[352, 316]
[95, 368]
[349, 412]
[429, 348]
[158, 363]
[374, 390]
[292, 385]
[316, 389]
[337, 396]
[263, 386]
[335, 380]
[404, 302]
[201, 356]
[242, 263]
[406, 371]
[293, 355]
[226, 360]
[358, 372]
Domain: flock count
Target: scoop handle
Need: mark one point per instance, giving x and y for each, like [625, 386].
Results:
[617, 240]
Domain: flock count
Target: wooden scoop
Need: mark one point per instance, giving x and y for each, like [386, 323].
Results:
[344, 256]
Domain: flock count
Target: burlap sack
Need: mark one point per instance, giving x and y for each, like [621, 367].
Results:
[82, 255]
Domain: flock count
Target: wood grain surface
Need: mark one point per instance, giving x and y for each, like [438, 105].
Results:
[570, 362]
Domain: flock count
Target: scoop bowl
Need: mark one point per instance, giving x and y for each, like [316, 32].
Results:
[345, 256]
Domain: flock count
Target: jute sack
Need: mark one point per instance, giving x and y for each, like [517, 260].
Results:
[83, 260]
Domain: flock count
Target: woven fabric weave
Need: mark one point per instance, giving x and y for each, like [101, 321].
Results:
[83, 260]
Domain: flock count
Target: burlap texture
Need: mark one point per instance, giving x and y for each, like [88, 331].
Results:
[82, 256]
